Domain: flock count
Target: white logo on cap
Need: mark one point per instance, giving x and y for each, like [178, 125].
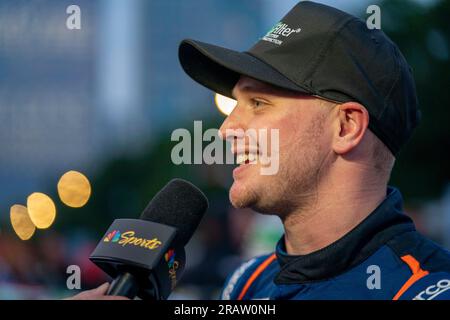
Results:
[280, 31]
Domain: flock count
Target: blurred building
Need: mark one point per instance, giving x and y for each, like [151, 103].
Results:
[142, 88]
[46, 90]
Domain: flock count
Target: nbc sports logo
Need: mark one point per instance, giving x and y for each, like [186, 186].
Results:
[173, 266]
[128, 238]
[113, 236]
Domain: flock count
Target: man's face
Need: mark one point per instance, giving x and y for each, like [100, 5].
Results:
[305, 132]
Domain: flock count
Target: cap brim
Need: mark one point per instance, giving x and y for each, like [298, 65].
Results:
[219, 69]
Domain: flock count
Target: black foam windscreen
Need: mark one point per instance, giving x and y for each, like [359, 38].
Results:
[179, 204]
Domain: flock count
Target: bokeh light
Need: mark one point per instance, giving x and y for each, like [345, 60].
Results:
[224, 104]
[74, 189]
[41, 209]
[21, 222]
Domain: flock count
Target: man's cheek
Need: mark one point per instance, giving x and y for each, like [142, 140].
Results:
[270, 153]
[289, 137]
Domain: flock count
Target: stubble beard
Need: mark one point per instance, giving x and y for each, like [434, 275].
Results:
[295, 185]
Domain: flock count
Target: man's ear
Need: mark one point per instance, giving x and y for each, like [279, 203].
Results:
[352, 122]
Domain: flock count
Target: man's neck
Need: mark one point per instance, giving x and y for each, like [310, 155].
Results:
[334, 211]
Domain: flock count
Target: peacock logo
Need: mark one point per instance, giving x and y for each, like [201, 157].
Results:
[170, 258]
[113, 236]
[173, 266]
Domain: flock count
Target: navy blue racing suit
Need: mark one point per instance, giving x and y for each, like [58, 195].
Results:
[384, 257]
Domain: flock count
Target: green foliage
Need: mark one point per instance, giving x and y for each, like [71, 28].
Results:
[422, 33]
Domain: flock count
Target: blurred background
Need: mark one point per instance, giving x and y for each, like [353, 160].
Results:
[103, 100]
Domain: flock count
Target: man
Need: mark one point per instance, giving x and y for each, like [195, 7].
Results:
[344, 102]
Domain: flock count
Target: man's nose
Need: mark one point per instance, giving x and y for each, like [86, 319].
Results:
[233, 127]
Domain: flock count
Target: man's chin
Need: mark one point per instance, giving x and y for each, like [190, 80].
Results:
[241, 196]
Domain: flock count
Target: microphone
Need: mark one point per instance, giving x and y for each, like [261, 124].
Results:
[146, 256]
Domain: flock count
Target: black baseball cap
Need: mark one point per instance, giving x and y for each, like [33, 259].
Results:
[322, 51]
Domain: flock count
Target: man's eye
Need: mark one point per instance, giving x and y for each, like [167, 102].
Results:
[257, 103]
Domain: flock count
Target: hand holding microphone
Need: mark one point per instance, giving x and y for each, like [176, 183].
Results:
[146, 256]
[98, 293]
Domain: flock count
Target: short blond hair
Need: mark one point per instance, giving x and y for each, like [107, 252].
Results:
[383, 159]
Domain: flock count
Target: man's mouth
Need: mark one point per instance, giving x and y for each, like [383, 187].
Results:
[247, 158]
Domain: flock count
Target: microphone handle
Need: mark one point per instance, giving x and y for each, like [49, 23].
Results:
[124, 285]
